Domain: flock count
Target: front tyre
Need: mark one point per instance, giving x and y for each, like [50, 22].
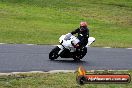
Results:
[54, 53]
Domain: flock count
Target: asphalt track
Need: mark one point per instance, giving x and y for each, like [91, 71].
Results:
[24, 58]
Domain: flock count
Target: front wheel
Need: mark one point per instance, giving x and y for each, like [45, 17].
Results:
[54, 53]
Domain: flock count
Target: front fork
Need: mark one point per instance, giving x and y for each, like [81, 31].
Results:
[61, 49]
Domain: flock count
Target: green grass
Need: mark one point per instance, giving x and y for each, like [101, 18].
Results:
[44, 21]
[56, 80]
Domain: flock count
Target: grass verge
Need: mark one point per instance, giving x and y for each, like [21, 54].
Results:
[44, 21]
[54, 80]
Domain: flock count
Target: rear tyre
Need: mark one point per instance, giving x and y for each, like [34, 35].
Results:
[76, 58]
[79, 54]
[54, 53]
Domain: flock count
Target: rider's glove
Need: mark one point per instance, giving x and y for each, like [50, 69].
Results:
[75, 45]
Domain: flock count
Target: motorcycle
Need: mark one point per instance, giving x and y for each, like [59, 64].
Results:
[67, 49]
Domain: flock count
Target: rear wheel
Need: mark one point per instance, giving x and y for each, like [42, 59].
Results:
[54, 53]
[79, 54]
[78, 57]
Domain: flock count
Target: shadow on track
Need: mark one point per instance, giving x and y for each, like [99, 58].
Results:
[71, 61]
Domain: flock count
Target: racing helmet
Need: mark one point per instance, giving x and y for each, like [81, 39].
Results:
[83, 24]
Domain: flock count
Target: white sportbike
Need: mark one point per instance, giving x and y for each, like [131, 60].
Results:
[66, 48]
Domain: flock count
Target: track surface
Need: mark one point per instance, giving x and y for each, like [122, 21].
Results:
[23, 58]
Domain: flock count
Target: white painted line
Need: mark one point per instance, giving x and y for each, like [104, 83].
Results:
[36, 71]
[64, 71]
[106, 47]
[1, 74]
[119, 70]
[2, 43]
[30, 44]
[55, 71]
[19, 72]
[54, 45]
[52, 71]
[57, 45]
[128, 48]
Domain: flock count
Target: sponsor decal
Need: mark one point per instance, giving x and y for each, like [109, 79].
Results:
[85, 78]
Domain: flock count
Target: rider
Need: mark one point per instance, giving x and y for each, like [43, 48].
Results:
[83, 34]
